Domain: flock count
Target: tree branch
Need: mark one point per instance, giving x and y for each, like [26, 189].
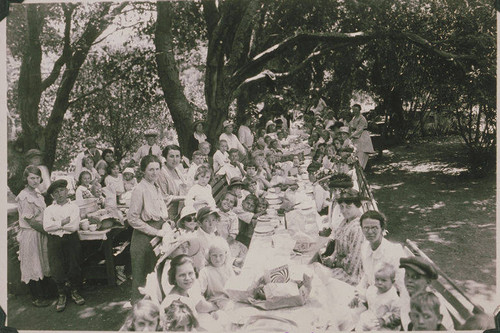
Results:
[256, 63]
[211, 14]
[66, 53]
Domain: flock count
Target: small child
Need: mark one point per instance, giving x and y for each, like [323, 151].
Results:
[88, 165]
[179, 318]
[425, 314]
[247, 218]
[129, 180]
[114, 180]
[207, 219]
[251, 174]
[214, 276]
[129, 183]
[84, 182]
[236, 187]
[187, 219]
[197, 160]
[234, 168]
[145, 316]
[200, 194]
[61, 221]
[294, 170]
[278, 176]
[221, 157]
[227, 227]
[384, 310]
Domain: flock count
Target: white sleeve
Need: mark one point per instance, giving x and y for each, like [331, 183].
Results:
[50, 223]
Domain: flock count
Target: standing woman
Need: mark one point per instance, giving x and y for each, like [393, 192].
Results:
[172, 183]
[360, 136]
[198, 136]
[35, 157]
[32, 238]
[147, 214]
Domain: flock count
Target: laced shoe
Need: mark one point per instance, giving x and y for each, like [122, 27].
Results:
[61, 303]
[77, 298]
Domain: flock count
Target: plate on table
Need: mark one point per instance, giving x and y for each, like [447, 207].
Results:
[264, 218]
[272, 195]
[264, 229]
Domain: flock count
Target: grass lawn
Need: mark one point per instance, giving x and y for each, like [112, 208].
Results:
[429, 198]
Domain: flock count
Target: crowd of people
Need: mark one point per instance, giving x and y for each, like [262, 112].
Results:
[204, 241]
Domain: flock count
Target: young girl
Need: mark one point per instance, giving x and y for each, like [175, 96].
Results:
[187, 220]
[182, 276]
[88, 165]
[221, 157]
[145, 316]
[179, 318]
[382, 302]
[247, 218]
[207, 219]
[200, 194]
[227, 227]
[84, 183]
[213, 277]
[114, 179]
[32, 238]
[252, 174]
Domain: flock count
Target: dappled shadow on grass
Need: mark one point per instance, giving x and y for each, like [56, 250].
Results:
[428, 199]
[103, 311]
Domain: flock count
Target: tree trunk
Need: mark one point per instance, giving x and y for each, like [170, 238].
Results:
[30, 80]
[31, 86]
[180, 108]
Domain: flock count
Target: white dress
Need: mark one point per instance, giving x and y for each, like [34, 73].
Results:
[33, 253]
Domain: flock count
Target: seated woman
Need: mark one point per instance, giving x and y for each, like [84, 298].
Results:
[377, 250]
[345, 261]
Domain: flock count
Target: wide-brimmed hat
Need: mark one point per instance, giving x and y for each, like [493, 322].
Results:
[57, 184]
[129, 170]
[151, 132]
[174, 240]
[227, 123]
[187, 210]
[419, 265]
[235, 181]
[269, 123]
[204, 212]
[33, 152]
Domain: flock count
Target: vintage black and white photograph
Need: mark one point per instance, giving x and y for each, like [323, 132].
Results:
[251, 165]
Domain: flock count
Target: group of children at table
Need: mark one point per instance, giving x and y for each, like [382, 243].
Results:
[223, 231]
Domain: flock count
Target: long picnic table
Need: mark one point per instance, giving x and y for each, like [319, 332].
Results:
[327, 305]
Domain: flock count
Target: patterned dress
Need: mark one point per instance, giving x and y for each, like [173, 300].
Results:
[348, 240]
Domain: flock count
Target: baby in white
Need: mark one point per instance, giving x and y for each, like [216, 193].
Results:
[382, 301]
